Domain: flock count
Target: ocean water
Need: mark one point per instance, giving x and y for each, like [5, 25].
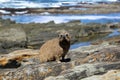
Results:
[63, 18]
[114, 33]
[45, 3]
[76, 45]
[81, 44]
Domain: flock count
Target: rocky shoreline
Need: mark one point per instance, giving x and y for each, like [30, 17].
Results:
[98, 61]
[95, 62]
[33, 35]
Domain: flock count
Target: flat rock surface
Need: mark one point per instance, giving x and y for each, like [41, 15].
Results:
[77, 65]
[110, 75]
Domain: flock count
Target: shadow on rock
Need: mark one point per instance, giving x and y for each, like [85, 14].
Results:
[66, 60]
[11, 64]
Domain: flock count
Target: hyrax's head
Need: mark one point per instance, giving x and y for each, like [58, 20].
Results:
[64, 36]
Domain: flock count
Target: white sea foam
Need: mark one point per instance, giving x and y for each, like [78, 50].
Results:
[45, 13]
[20, 4]
[38, 4]
[27, 4]
[4, 12]
[21, 12]
[60, 18]
[1, 1]
[64, 19]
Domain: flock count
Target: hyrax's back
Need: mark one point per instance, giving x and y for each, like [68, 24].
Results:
[50, 50]
[56, 48]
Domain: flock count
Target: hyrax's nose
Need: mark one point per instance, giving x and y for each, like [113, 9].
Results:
[63, 36]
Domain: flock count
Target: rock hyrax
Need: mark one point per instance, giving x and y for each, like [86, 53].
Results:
[56, 48]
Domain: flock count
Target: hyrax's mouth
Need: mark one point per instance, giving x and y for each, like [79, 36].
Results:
[64, 38]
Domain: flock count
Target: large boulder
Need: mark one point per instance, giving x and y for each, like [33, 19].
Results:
[12, 37]
[93, 29]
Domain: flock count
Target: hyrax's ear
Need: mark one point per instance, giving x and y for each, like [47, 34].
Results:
[67, 35]
[63, 32]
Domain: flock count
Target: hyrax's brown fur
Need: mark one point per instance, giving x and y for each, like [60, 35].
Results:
[56, 48]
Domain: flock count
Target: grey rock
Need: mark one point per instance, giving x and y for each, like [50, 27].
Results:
[12, 37]
[72, 70]
[86, 70]
[110, 75]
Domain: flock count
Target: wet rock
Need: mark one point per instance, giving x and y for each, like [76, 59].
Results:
[6, 22]
[93, 48]
[113, 25]
[93, 29]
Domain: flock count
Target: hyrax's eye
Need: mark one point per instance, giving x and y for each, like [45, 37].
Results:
[60, 35]
[67, 35]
